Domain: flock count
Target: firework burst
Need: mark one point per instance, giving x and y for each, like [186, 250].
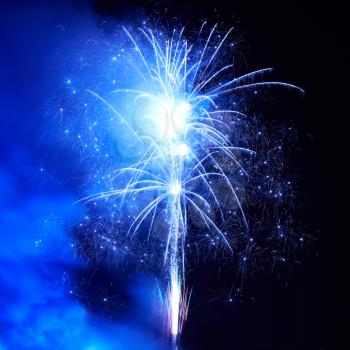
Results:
[183, 115]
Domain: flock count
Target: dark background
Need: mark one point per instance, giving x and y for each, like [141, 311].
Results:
[298, 40]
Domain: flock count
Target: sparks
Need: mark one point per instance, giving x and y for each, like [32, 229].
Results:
[183, 128]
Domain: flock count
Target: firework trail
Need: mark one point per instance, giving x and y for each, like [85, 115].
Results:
[183, 121]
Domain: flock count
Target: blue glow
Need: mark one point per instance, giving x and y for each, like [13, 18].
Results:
[78, 144]
[40, 305]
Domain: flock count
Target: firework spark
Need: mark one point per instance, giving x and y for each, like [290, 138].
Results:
[190, 163]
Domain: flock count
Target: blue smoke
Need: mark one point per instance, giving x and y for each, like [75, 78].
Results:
[38, 188]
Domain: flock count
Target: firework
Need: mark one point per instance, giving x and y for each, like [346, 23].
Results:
[185, 121]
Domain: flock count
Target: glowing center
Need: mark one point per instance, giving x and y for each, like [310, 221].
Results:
[170, 117]
[175, 189]
[181, 150]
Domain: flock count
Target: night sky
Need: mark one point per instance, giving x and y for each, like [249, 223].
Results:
[49, 299]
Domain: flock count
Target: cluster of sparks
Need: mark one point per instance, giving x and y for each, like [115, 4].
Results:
[184, 123]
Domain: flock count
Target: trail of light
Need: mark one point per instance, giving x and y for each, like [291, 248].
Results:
[175, 296]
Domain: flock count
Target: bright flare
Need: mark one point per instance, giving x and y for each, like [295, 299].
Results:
[175, 189]
[181, 150]
[168, 116]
